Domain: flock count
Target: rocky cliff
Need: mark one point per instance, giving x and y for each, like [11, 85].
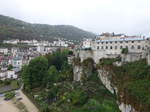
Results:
[128, 82]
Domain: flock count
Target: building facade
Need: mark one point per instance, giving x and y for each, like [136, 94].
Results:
[115, 44]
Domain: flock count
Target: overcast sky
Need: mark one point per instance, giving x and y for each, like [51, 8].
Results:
[120, 16]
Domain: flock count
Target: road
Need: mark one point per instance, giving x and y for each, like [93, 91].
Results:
[29, 105]
[7, 106]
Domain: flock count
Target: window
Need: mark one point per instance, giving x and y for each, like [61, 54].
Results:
[116, 42]
[120, 41]
[132, 47]
[126, 41]
[102, 42]
[106, 47]
[97, 42]
[106, 42]
[132, 41]
[111, 47]
[120, 47]
[102, 47]
[126, 46]
[110, 42]
[139, 47]
[97, 47]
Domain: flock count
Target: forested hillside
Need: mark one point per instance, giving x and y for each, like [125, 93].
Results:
[11, 28]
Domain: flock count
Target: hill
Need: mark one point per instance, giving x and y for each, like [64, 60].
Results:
[11, 28]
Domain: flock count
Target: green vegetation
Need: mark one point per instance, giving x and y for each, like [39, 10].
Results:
[10, 67]
[9, 85]
[133, 82]
[57, 92]
[9, 95]
[124, 51]
[5, 45]
[108, 61]
[15, 29]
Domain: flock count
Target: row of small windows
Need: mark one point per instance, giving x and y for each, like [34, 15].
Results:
[117, 42]
[115, 47]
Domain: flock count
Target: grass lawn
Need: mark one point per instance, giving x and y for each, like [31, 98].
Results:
[14, 84]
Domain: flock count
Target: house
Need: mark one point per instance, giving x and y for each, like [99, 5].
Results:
[17, 62]
[4, 50]
[11, 74]
[40, 49]
[8, 74]
[60, 43]
[87, 43]
[15, 41]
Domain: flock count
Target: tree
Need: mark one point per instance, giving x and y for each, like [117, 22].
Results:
[125, 51]
[10, 67]
[53, 75]
[26, 77]
[57, 59]
[34, 74]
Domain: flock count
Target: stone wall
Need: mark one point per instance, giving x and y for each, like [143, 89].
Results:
[97, 54]
[94, 54]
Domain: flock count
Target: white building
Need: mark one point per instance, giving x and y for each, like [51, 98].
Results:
[14, 51]
[4, 50]
[115, 44]
[40, 48]
[60, 43]
[87, 43]
[17, 62]
[15, 41]
[10, 74]
[111, 46]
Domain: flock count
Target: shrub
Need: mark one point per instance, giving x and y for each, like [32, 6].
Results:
[9, 95]
[124, 51]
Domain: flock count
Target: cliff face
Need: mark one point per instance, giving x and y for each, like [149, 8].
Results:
[130, 81]
[86, 73]
[77, 70]
[106, 80]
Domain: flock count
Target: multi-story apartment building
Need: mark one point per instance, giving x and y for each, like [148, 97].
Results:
[114, 44]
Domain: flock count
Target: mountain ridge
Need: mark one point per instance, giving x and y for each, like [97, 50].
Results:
[11, 28]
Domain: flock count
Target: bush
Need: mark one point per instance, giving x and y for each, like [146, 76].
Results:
[7, 82]
[78, 97]
[124, 51]
[9, 95]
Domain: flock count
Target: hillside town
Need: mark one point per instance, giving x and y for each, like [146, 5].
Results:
[109, 46]
[106, 45]
[16, 57]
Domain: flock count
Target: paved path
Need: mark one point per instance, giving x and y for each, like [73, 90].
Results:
[29, 105]
[7, 106]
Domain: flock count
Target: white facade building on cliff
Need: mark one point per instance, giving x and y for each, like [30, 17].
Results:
[110, 45]
[114, 44]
